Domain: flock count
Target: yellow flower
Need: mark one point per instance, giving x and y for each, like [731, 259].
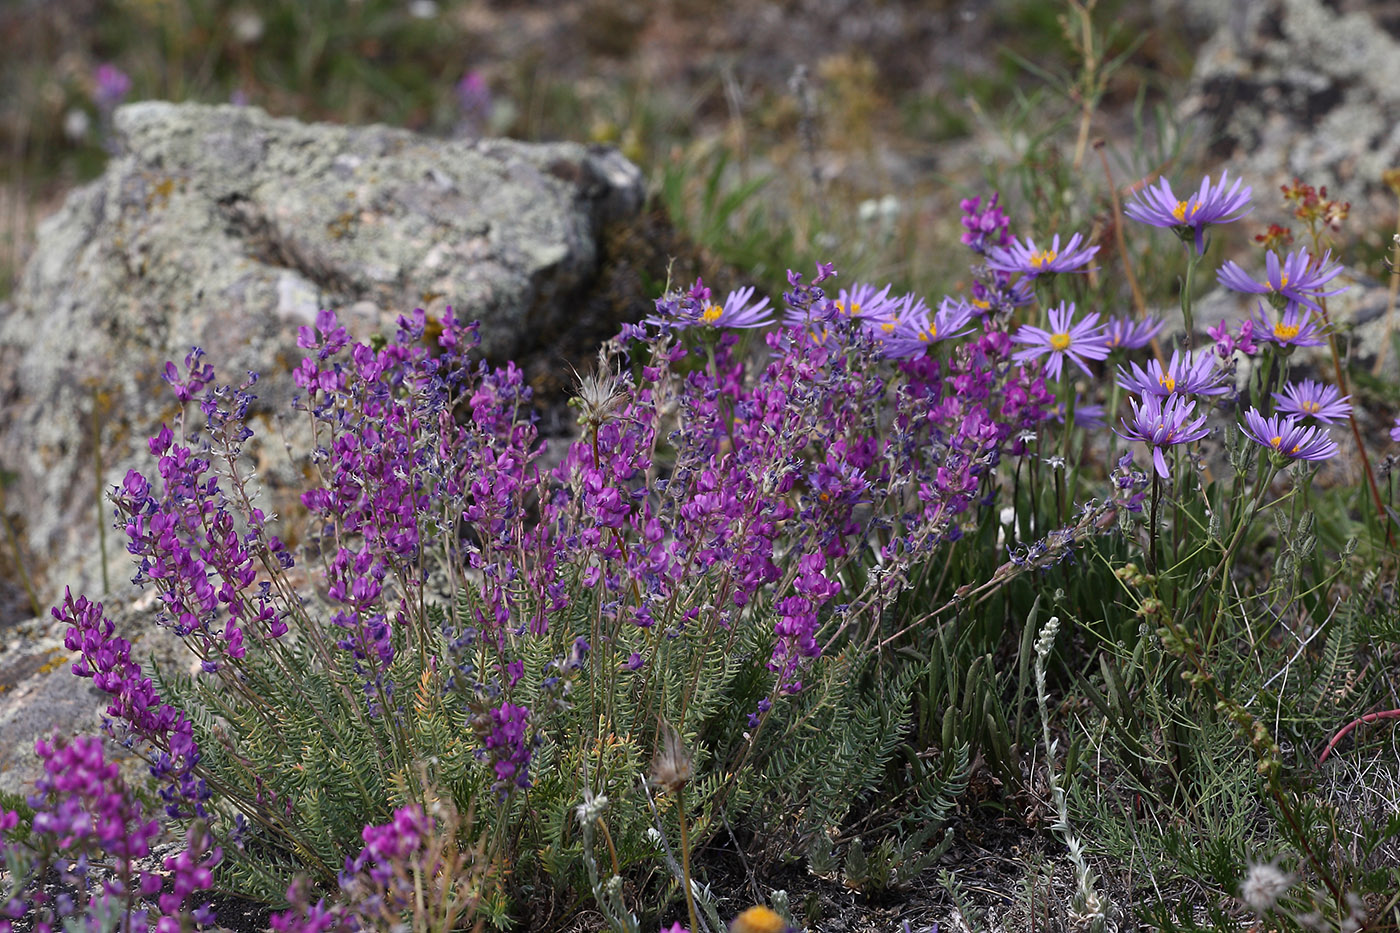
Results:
[758, 920]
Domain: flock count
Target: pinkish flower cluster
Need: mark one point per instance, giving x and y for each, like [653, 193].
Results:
[106, 658]
[376, 887]
[84, 815]
[508, 745]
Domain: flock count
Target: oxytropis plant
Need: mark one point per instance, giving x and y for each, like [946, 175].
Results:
[487, 653]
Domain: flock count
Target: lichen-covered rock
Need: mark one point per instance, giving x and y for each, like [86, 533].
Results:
[227, 229]
[1302, 88]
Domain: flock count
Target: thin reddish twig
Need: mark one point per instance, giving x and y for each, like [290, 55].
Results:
[1368, 718]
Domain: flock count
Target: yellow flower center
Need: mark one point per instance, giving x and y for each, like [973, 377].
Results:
[1059, 341]
[711, 314]
[981, 303]
[1285, 331]
[1275, 442]
[930, 333]
[851, 311]
[1180, 212]
[1168, 382]
[887, 327]
[1282, 283]
[1310, 407]
[1042, 259]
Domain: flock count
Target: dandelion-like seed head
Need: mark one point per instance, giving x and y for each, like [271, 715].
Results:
[674, 764]
[1263, 885]
[600, 394]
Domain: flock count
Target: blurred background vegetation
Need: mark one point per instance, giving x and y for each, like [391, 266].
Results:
[773, 132]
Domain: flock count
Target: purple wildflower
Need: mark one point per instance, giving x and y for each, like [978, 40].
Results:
[916, 328]
[1294, 328]
[1313, 399]
[1162, 423]
[1297, 280]
[1086, 414]
[1212, 204]
[1395, 431]
[1288, 437]
[1064, 339]
[474, 100]
[985, 227]
[509, 746]
[1188, 375]
[697, 309]
[865, 303]
[1123, 333]
[739, 310]
[1226, 345]
[1029, 259]
[112, 86]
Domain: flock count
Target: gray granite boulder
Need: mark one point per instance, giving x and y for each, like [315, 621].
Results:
[228, 229]
[1303, 88]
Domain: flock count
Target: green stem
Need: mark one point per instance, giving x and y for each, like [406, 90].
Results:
[685, 858]
[1187, 288]
[97, 477]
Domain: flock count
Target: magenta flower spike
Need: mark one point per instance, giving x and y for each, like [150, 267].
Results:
[1286, 436]
[985, 227]
[1029, 259]
[1297, 280]
[1078, 342]
[1313, 399]
[1212, 204]
[1161, 423]
[1294, 328]
[1185, 375]
[1123, 333]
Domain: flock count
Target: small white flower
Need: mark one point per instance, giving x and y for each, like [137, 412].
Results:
[246, 25]
[423, 9]
[1263, 885]
[591, 808]
[76, 124]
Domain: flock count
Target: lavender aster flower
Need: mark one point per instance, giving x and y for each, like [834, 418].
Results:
[739, 310]
[1161, 423]
[1029, 259]
[1126, 334]
[1294, 328]
[1297, 280]
[916, 328]
[1313, 399]
[1188, 375]
[695, 308]
[867, 304]
[1064, 339]
[1288, 437]
[1395, 431]
[1212, 204]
